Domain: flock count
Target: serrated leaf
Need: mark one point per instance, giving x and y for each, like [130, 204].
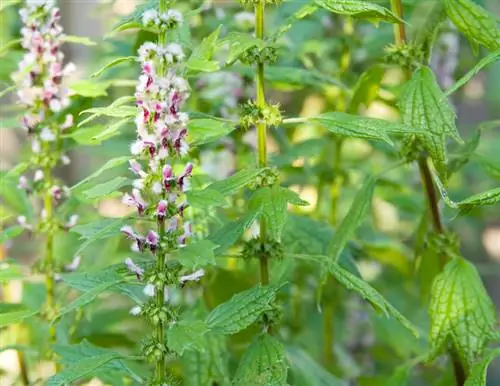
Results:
[486, 61]
[241, 310]
[425, 107]
[11, 313]
[208, 366]
[272, 204]
[307, 372]
[490, 197]
[475, 22]
[352, 220]
[360, 9]
[479, 370]
[106, 188]
[263, 364]
[197, 254]
[10, 233]
[461, 312]
[78, 40]
[81, 369]
[370, 294]
[201, 58]
[71, 355]
[186, 335]
[113, 63]
[355, 126]
[203, 131]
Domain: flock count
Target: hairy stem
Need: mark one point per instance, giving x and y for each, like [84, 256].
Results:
[430, 189]
[160, 369]
[261, 129]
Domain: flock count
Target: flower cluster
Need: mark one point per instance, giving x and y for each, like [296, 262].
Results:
[39, 81]
[161, 177]
[166, 20]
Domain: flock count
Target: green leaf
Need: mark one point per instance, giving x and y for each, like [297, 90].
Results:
[237, 181]
[241, 310]
[14, 313]
[370, 294]
[8, 46]
[7, 90]
[307, 372]
[8, 3]
[78, 40]
[81, 369]
[352, 220]
[475, 22]
[10, 270]
[491, 58]
[205, 198]
[425, 107]
[95, 135]
[263, 364]
[90, 89]
[272, 203]
[115, 110]
[111, 164]
[479, 370]
[186, 335]
[113, 63]
[462, 314]
[134, 20]
[107, 188]
[302, 13]
[201, 58]
[86, 298]
[239, 43]
[10, 233]
[463, 155]
[366, 89]
[360, 9]
[71, 355]
[355, 126]
[207, 366]
[490, 197]
[203, 131]
[197, 254]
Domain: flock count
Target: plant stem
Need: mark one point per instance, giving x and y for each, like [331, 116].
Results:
[430, 189]
[49, 257]
[160, 369]
[261, 129]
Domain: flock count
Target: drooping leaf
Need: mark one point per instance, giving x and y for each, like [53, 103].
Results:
[352, 220]
[370, 294]
[241, 310]
[272, 203]
[426, 21]
[366, 89]
[479, 370]
[475, 22]
[72, 354]
[425, 107]
[491, 58]
[111, 164]
[263, 364]
[187, 335]
[307, 372]
[117, 109]
[11, 313]
[197, 254]
[81, 369]
[10, 233]
[113, 63]
[203, 131]
[462, 314]
[360, 9]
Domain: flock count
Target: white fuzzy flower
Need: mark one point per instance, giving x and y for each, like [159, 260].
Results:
[149, 290]
[47, 135]
[150, 17]
[38, 176]
[245, 19]
[135, 310]
[195, 276]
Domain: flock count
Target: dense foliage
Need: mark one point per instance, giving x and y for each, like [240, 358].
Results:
[272, 201]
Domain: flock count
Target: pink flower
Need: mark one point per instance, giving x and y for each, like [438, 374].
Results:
[161, 210]
[135, 199]
[134, 268]
[152, 240]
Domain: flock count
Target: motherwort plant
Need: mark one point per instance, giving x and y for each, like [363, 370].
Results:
[41, 91]
[163, 174]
